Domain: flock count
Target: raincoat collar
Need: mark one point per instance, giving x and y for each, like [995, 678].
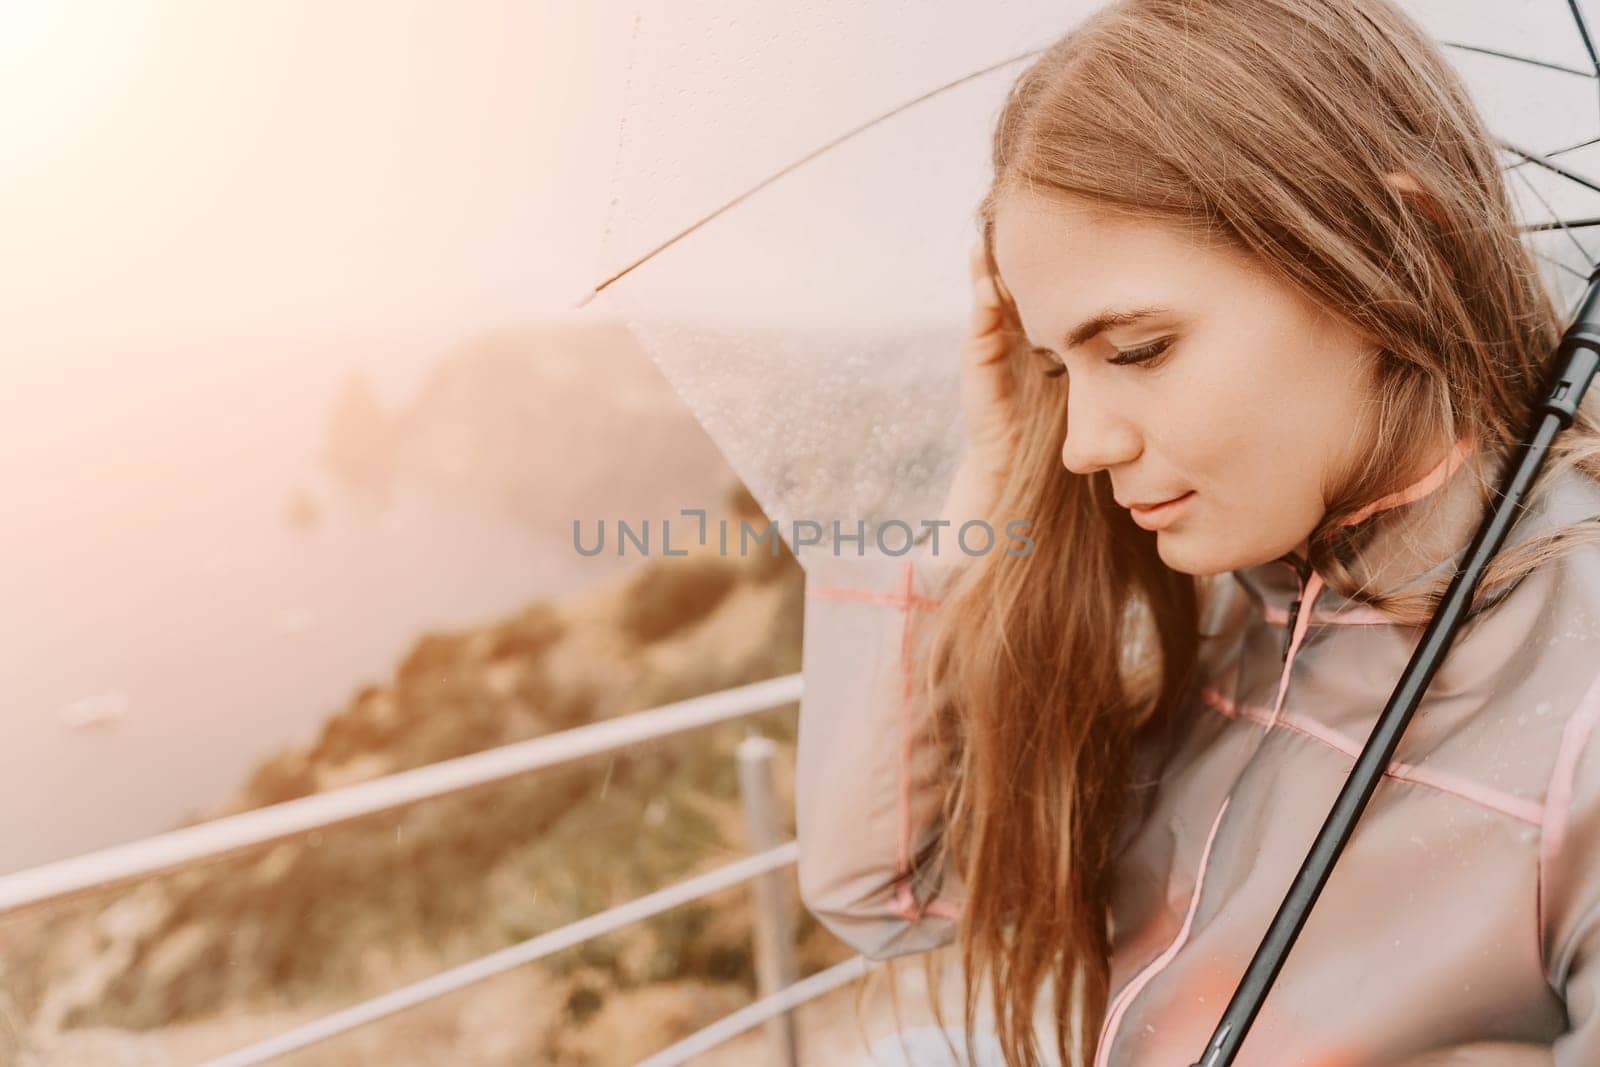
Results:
[1408, 554]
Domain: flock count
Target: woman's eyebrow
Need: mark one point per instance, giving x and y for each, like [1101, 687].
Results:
[1110, 317]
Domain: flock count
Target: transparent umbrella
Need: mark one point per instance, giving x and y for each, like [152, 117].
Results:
[789, 225]
[793, 198]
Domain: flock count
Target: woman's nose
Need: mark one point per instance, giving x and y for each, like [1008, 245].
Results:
[1097, 436]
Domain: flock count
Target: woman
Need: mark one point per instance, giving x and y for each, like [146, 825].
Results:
[1098, 766]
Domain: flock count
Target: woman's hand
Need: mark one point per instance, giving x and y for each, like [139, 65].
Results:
[988, 401]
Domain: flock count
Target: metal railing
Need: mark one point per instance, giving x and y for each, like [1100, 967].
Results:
[778, 991]
[210, 840]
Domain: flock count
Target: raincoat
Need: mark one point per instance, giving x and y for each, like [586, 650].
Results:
[1463, 915]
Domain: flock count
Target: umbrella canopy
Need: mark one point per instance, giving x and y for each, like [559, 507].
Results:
[810, 315]
[824, 164]
[793, 201]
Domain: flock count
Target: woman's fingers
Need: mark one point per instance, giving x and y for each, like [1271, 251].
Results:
[987, 387]
[978, 263]
[985, 336]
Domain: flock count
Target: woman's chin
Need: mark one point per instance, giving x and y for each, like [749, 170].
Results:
[1187, 554]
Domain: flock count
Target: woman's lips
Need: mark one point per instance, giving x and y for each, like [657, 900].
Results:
[1162, 515]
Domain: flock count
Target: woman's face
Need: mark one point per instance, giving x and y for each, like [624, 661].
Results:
[1248, 400]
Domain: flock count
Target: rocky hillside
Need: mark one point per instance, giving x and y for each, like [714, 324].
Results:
[353, 910]
[544, 421]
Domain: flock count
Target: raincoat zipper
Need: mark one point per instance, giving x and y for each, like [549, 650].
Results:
[1302, 569]
[1118, 1007]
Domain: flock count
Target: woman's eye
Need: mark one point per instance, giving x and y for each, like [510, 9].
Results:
[1143, 354]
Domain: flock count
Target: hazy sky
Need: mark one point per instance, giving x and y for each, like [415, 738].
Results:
[394, 165]
[211, 216]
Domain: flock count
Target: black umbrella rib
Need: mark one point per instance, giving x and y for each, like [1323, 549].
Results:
[1562, 224]
[1551, 165]
[803, 160]
[1559, 265]
[1532, 62]
[1555, 152]
[1583, 31]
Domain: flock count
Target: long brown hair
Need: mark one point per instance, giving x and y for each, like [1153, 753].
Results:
[1270, 125]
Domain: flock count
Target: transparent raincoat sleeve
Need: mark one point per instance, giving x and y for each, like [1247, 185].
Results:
[1570, 880]
[869, 789]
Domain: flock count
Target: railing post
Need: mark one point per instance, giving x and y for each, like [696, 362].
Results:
[772, 925]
